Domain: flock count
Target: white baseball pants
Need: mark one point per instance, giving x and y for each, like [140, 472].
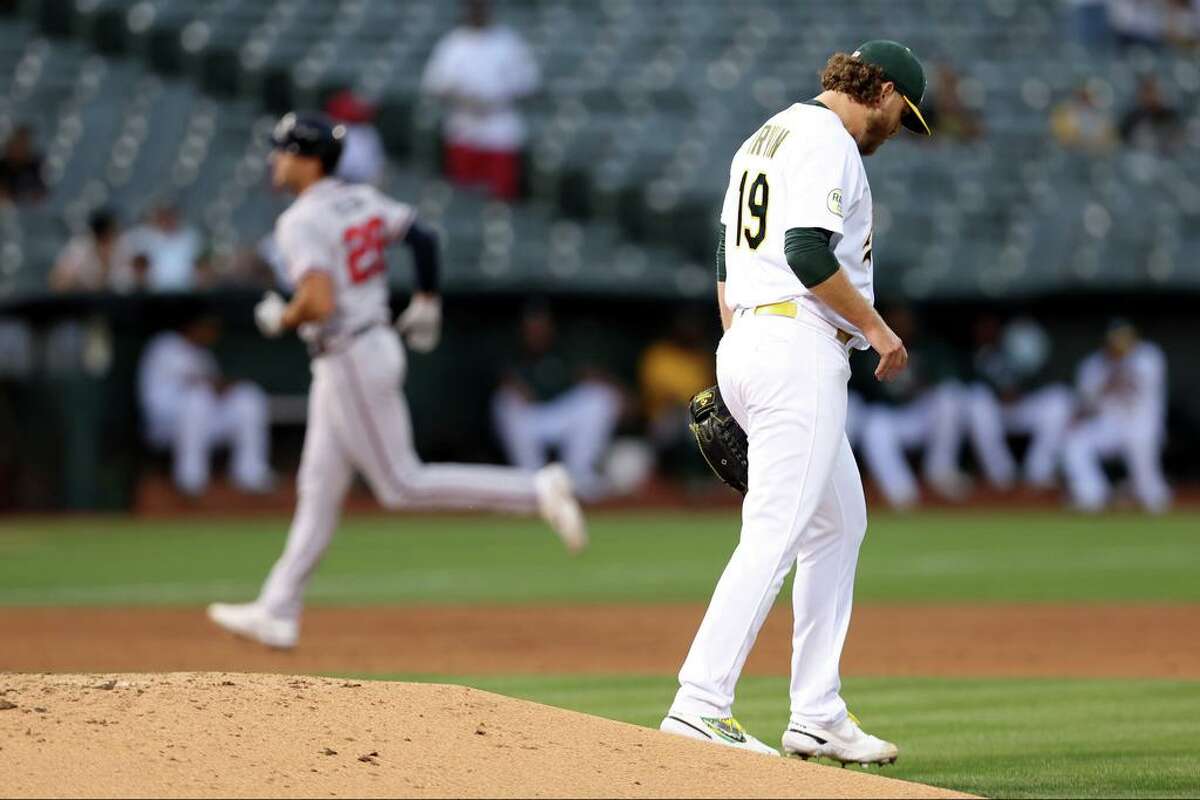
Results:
[580, 421]
[934, 420]
[358, 419]
[784, 381]
[201, 419]
[1111, 434]
[1043, 415]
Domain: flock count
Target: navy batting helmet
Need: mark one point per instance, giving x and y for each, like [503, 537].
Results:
[310, 135]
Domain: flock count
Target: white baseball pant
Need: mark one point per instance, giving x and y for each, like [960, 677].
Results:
[1110, 434]
[784, 381]
[935, 420]
[1043, 415]
[201, 419]
[358, 419]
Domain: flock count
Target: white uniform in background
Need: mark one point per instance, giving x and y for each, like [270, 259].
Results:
[186, 414]
[932, 420]
[484, 71]
[784, 380]
[579, 422]
[358, 419]
[998, 405]
[1129, 399]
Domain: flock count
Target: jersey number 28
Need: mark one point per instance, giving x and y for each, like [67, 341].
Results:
[364, 250]
[755, 201]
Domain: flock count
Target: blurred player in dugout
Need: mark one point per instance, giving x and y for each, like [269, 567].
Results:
[548, 399]
[922, 409]
[671, 371]
[190, 408]
[1122, 394]
[1008, 398]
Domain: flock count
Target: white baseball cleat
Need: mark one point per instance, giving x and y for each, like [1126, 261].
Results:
[845, 742]
[725, 731]
[560, 509]
[251, 621]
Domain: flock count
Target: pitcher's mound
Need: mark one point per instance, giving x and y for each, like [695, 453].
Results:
[234, 735]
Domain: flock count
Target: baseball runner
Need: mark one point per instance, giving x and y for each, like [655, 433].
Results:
[794, 285]
[332, 239]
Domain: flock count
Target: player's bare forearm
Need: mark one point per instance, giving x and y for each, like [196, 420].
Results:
[838, 293]
[726, 314]
[313, 302]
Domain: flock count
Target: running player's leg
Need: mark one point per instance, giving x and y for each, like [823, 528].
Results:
[373, 422]
[822, 595]
[790, 395]
[325, 475]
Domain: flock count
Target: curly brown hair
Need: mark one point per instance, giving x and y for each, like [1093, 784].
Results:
[846, 74]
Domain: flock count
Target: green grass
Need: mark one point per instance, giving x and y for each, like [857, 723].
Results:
[964, 556]
[998, 738]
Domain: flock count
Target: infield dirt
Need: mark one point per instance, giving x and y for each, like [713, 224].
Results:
[239, 735]
[1021, 640]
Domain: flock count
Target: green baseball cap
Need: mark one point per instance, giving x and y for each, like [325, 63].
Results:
[902, 68]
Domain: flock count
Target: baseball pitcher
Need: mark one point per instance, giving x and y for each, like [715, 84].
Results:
[333, 239]
[794, 285]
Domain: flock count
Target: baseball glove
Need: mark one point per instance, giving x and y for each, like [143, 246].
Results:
[722, 441]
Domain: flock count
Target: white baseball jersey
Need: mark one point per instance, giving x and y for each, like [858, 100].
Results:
[1133, 387]
[342, 229]
[801, 169]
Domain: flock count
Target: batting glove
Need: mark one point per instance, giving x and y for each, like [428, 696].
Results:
[268, 314]
[421, 323]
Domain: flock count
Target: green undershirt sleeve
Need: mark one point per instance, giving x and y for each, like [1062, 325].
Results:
[809, 256]
[721, 253]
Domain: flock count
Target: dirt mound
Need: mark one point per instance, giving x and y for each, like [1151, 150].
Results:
[239, 735]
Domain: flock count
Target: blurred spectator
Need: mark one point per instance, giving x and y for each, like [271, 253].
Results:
[172, 246]
[920, 409]
[1182, 23]
[1081, 123]
[190, 408]
[671, 371]
[21, 168]
[363, 159]
[1088, 20]
[947, 113]
[1152, 124]
[1122, 393]
[1003, 400]
[480, 70]
[543, 402]
[86, 263]
[1137, 22]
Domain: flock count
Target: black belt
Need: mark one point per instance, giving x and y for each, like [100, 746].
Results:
[324, 346]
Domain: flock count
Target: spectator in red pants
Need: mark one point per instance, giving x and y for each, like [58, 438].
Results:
[480, 70]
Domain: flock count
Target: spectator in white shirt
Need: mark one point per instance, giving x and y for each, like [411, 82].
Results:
[480, 70]
[190, 408]
[1123, 394]
[172, 246]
